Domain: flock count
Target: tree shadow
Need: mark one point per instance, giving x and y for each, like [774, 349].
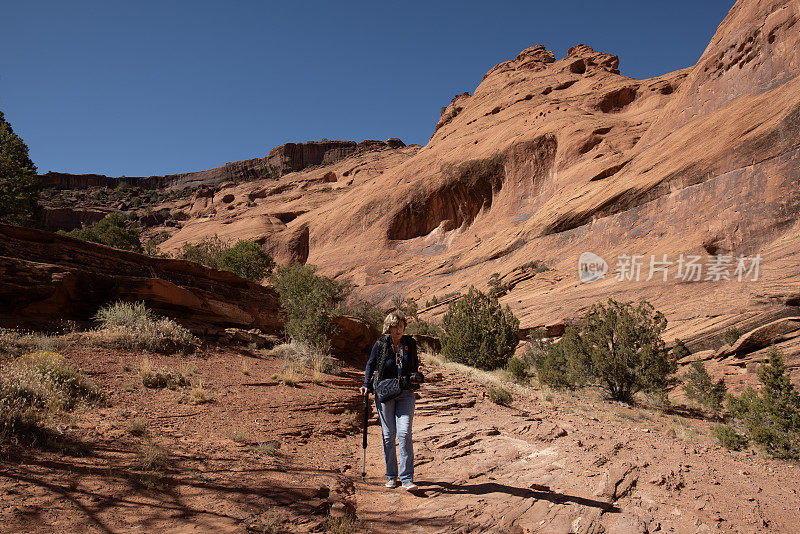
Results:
[494, 487]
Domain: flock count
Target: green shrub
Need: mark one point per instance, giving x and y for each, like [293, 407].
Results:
[700, 388]
[565, 363]
[728, 437]
[518, 368]
[133, 326]
[248, 260]
[496, 288]
[625, 348]
[310, 301]
[245, 258]
[423, 327]
[19, 183]
[499, 395]
[479, 332]
[618, 345]
[731, 335]
[113, 231]
[364, 310]
[771, 416]
[680, 350]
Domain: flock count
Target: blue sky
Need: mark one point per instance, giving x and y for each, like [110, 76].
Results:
[145, 87]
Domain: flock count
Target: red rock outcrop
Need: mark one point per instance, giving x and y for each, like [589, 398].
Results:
[282, 159]
[70, 218]
[45, 277]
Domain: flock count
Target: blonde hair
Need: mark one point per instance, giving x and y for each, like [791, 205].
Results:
[394, 317]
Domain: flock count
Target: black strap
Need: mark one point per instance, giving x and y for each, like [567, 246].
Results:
[381, 363]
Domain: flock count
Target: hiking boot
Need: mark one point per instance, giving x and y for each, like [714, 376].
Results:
[409, 485]
[391, 483]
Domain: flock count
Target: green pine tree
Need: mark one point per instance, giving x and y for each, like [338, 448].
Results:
[19, 183]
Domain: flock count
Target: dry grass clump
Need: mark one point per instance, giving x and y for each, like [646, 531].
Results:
[138, 427]
[161, 378]
[313, 358]
[18, 342]
[239, 435]
[133, 326]
[499, 395]
[266, 449]
[350, 421]
[340, 525]
[36, 388]
[199, 394]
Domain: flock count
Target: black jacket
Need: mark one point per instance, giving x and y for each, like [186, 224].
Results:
[410, 362]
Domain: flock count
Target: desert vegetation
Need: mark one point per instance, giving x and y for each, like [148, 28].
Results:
[770, 416]
[245, 258]
[36, 389]
[19, 183]
[115, 230]
[617, 345]
[135, 327]
[478, 331]
[310, 302]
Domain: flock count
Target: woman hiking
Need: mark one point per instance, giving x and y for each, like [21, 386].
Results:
[399, 352]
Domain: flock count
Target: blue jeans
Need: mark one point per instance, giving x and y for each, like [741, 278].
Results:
[396, 416]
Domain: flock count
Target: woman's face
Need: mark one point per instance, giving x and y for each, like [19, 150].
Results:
[397, 330]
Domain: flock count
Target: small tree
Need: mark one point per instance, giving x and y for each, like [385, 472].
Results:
[565, 363]
[19, 183]
[700, 388]
[478, 331]
[310, 301]
[771, 417]
[624, 345]
[495, 286]
[112, 231]
[407, 306]
[245, 258]
[731, 335]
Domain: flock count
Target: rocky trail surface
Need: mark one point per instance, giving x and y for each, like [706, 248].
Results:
[261, 456]
[541, 466]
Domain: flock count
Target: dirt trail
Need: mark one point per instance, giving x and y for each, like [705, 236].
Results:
[535, 467]
[539, 466]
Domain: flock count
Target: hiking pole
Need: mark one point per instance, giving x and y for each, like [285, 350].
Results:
[364, 441]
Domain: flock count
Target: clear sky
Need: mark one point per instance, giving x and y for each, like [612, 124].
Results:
[156, 87]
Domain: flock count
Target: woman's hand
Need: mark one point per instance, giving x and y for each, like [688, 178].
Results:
[363, 390]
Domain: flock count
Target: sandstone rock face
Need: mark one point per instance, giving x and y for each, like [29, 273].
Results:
[281, 160]
[353, 340]
[69, 218]
[293, 157]
[46, 276]
[248, 170]
[761, 337]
